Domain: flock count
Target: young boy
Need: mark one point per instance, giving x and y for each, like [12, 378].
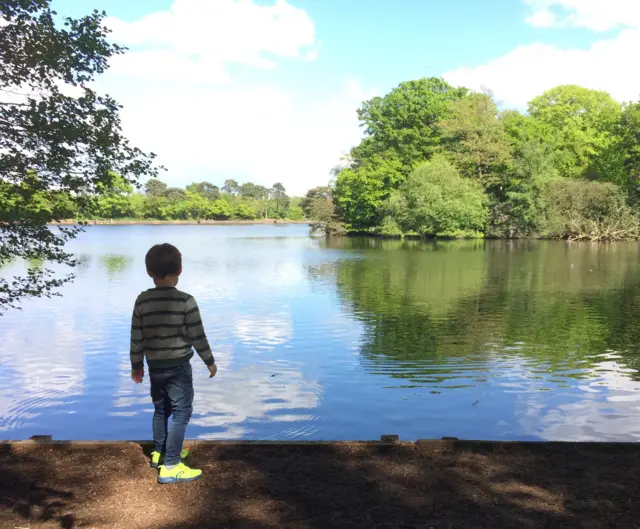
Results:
[165, 326]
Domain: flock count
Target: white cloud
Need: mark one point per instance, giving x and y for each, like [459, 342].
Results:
[595, 15]
[181, 102]
[529, 70]
[226, 30]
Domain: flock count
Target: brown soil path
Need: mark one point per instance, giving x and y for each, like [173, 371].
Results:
[433, 484]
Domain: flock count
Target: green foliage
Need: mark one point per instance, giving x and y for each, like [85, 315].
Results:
[199, 201]
[569, 132]
[318, 204]
[360, 192]
[155, 188]
[52, 143]
[583, 210]
[626, 151]
[221, 210]
[580, 124]
[204, 189]
[475, 139]
[244, 212]
[435, 201]
[402, 124]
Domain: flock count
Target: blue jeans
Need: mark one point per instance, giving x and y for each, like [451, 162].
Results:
[172, 394]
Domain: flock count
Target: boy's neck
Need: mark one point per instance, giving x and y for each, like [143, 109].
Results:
[165, 282]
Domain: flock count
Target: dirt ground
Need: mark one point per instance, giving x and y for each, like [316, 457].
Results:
[439, 485]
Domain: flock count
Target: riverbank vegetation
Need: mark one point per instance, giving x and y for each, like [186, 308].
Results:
[442, 161]
[198, 201]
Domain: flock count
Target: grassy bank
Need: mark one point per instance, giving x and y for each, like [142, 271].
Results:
[431, 484]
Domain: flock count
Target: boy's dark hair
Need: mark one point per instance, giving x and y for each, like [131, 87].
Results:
[163, 260]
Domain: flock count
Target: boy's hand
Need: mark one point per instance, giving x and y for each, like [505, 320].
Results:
[213, 369]
[137, 375]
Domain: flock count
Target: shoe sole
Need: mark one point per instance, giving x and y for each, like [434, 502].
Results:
[169, 481]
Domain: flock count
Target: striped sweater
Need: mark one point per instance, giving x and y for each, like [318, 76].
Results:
[165, 326]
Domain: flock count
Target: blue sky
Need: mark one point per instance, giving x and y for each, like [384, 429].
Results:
[266, 90]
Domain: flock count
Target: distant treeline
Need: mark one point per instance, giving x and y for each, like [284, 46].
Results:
[441, 161]
[198, 201]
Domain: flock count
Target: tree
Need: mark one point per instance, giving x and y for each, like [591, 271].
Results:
[52, 142]
[175, 194]
[258, 193]
[360, 192]
[627, 150]
[231, 187]
[205, 189]
[155, 188]
[475, 139]
[113, 201]
[251, 190]
[403, 122]
[243, 211]
[436, 201]
[221, 210]
[279, 196]
[580, 124]
[318, 204]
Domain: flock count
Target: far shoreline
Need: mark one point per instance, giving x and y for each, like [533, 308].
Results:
[149, 222]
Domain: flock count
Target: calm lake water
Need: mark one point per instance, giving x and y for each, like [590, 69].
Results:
[343, 339]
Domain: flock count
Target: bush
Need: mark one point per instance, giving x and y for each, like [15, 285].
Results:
[436, 201]
[244, 212]
[584, 210]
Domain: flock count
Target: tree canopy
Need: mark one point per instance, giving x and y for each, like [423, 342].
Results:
[58, 137]
[518, 160]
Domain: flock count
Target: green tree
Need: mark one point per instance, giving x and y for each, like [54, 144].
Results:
[231, 187]
[317, 204]
[280, 200]
[113, 201]
[244, 211]
[580, 124]
[221, 210]
[204, 189]
[475, 139]
[360, 192]
[522, 212]
[52, 142]
[295, 211]
[403, 122]
[155, 187]
[436, 201]
[627, 150]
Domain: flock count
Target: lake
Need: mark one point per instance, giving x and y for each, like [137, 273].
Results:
[341, 339]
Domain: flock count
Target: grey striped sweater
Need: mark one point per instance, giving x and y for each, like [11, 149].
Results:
[165, 326]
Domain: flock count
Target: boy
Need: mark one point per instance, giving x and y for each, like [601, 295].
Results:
[165, 326]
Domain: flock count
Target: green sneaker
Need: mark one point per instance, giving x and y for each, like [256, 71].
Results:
[157, 458]
[179, 474]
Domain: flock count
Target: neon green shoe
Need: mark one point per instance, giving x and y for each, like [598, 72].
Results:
[157, 458]
[179, 474]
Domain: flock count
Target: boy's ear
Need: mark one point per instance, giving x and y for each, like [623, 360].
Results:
[179, 271]
[150, 274]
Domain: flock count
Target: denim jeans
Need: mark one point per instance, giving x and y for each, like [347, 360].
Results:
[172, 394]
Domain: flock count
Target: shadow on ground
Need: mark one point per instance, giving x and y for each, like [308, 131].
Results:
[354, 485]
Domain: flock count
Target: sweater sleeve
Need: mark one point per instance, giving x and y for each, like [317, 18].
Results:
[137, 341]
[195, 331]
